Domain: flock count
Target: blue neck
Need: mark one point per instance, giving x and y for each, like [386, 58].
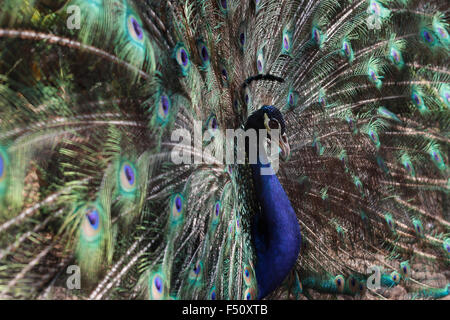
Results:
[276, 232]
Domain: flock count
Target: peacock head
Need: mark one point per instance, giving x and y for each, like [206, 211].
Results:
[270, 118]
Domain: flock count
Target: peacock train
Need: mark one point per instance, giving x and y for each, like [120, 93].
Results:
[114, 118]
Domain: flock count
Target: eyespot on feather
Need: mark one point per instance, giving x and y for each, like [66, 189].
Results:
[339, 281]
[127, 177]
[181, 56]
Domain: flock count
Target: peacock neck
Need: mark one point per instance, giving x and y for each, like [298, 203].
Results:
[276, 232]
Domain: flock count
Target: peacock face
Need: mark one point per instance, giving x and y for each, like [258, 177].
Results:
[270, 118]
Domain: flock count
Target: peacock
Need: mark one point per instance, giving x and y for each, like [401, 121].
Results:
[117, 178]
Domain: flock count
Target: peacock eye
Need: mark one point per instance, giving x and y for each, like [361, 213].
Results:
[358, 184]
[375, 8]
[395, 277]
[249, 294]
[163, 108]
[446, 245]
[405, 269]
[291, 99]
[93, 218]
[4, 170]
[361, 288]
[409, 166]
[242, 39]
[217, 209]
[238, 225]
[242, 36]
[351, 124]
[177, 208]
[223, 4]
[436, 156]
[224, 74]
[353, 284]
[195, 273]
[248, 275]
[260, 61]
[427, 36]
[339, 282]
[260, 66]
[322, 101]
[91, 224]
[135, 29]
[286, 46]
[212, 125]
[286, 43]
[318, 146]
[129, 174]
[215, 216]
[178, 204]
[203, 52]
[418, 226]
[316, 35]
[156, 286]
[395, 55]
[390, 222]
[127, 177]
[182, 58]
[417, 99]
[165, 104]
[347, 51]
[212, 293]
[374, 137]
[2, 167]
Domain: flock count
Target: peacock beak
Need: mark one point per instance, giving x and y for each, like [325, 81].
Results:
[273, 124]
[285, 148]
